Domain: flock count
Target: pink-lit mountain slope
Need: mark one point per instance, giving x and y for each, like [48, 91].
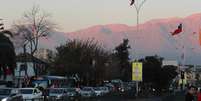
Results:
[153, 37]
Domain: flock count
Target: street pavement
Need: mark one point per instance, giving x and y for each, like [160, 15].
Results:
[178, 96]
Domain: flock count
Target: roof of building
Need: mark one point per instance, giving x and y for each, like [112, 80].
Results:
[28, 58]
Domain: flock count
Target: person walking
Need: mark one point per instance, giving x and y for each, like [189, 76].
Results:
[190, 94]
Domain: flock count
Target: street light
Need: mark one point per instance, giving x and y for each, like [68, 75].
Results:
[138, 5]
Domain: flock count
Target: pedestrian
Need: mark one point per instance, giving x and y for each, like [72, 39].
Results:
[199, 95]
[45, 93]
[190, 94]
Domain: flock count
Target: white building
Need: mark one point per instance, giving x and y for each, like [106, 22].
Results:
[20, 72]
[170, 62]
[26, 67]
[25, 63]
[43, 54]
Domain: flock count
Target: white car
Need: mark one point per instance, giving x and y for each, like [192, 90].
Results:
[31, 94]
[87, 92]
[58, 93]
[98, 91]
[105, 90]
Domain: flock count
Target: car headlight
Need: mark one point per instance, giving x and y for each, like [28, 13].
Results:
[4, 99]
[72, 94]
[59, 96]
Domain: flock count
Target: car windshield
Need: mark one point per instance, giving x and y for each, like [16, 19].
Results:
[103, 88]
[5, 91]
[26, 91]
[97, 88]
[56, 91]
[71, 90]
[87, 89]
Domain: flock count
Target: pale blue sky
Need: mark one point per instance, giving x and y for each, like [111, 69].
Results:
[73, 15]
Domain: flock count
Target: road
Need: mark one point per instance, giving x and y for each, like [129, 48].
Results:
[179, 96]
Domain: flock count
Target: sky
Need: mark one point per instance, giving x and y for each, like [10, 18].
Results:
[72, 15]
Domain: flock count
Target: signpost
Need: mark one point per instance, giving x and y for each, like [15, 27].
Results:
[137, 74]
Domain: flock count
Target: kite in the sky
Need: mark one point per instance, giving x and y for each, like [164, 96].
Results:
[132, 2]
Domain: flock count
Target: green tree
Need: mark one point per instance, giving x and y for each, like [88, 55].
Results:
[151, 68]
[167, 74]
[113, 69]
[122, 53]
[157, 76]
[7, 53]
[85, 58]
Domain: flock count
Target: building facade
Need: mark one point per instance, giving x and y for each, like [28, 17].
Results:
[43, 54]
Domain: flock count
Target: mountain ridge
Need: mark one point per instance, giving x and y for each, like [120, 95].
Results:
[154, 37]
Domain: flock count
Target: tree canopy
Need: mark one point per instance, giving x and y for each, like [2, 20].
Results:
[122, 53]
[7, 53]
[85, 58]
[153, 73]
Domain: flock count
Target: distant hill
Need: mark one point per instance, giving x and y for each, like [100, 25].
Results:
[153, 38]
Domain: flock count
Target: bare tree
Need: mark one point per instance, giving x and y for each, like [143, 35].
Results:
[34, 25]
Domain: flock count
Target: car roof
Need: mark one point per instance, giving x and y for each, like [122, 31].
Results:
[27, 88]
[8, 88]
[57, 88]
[87, 87]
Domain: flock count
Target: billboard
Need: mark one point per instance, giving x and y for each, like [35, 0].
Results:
[136, 71]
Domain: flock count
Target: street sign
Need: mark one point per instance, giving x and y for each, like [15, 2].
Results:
[136, 71]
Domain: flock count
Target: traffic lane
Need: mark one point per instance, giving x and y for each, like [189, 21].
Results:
[116, 96]
[121, 98]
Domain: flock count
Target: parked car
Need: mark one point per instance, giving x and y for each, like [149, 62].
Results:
[31, 94]
[98, 91]
[87, 92]
[121, 89]
[105, 90]
[10, 94]
[118, 84]
[73, 94]
[110, 87]
[58, 94]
